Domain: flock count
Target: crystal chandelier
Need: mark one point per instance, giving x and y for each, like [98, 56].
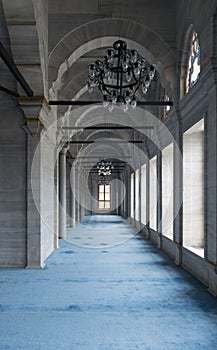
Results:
[104, 168]
[120, 76]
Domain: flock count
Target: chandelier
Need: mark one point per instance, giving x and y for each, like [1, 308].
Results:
[120, 76]
[104, 168]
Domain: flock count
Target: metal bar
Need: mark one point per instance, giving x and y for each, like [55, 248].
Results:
[106, 127]
[117, 166]
[85, 103]
[9, 92]
[8, 60]
[86, 164]
[95, 157]
[96, 170]
[104, 142]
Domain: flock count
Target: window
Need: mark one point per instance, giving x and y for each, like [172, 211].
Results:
[167, 191]
[166, 109]
[193, 66]
[143, 194]
[137, 204]
[153, 193]
[193, 188]
[104, 197]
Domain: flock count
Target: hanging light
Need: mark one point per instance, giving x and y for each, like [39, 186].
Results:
[120, 75]
[104, 168]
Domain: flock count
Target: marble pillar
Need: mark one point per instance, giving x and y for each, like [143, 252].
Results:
[62, 193]
[33, 128]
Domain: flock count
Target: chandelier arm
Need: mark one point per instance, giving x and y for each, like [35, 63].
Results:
[136, 89]
[107, 90]
[134, 77]
[123, 87]
[136, 84]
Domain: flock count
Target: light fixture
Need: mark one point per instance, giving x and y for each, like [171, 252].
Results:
[120, 76]
[104, 168]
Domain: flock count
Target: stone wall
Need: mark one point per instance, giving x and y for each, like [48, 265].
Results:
[12, 184]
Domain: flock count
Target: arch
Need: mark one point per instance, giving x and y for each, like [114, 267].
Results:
[98, 134]
[102, 33]
[96, 114]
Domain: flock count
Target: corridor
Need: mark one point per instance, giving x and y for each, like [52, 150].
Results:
[125, 297]
[98, 231]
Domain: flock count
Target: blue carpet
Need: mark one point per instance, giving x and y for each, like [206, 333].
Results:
[130, 296]
[96, 231]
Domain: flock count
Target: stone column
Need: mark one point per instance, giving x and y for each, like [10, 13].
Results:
[116, 199]
[62, 193]
[37, 250]
[128, 191]
[73, 197]
[91, 193]
[68, 194]
[82, 197]
[76, 199]
[122, 195]
[82, 194]
[34, 128]
[70, 199]
[178, 190]
[56, 204]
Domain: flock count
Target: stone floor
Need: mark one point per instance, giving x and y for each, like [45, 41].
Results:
[123, 297]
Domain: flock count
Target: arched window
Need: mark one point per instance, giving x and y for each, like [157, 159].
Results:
[193, 65]
[166, 108]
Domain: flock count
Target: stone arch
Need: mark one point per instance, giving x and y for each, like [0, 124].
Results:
[95, 114]
[103, 33]
[109, 134]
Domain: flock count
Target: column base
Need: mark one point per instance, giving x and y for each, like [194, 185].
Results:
[178, 259]
[212, 276]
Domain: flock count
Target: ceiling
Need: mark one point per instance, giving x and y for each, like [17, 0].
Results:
[79, 33]
[53, 41]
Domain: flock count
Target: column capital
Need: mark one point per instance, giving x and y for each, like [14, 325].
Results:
[33, 126]
[31, 105]
[65, 148]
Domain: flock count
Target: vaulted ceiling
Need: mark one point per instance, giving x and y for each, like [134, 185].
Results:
[53, 42]
[80, 32]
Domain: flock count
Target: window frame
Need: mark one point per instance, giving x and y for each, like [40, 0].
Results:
[193, 56]
[104, 200]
